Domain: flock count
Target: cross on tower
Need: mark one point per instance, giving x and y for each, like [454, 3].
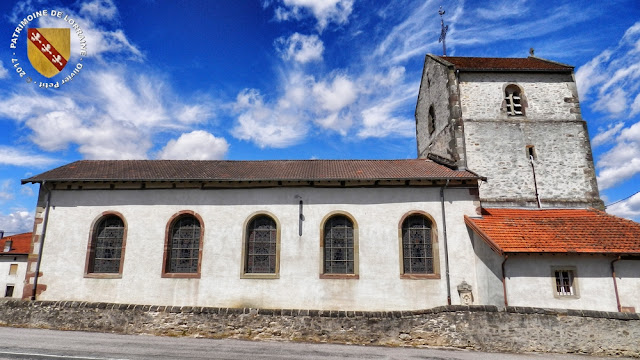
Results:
[443, 32]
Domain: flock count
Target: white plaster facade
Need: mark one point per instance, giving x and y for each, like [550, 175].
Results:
[377, 212]
[530, 280]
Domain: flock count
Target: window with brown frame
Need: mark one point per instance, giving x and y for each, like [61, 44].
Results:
[417, 245]
[261, 246]
[339, 246]
[183, 251]
[106, 246]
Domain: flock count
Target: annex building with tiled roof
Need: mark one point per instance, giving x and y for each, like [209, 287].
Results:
[500, 207]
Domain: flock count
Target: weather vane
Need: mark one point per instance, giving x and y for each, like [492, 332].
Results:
[443, 33]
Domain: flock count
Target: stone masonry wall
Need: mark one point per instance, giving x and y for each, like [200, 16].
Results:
[439, 88]
[564, 168]
[485, 328]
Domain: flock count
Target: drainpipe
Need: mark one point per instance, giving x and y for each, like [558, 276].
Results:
[446, 251]
[504, 282]
[615, 283]
[535, 182]
[44, 232]
[300, 214]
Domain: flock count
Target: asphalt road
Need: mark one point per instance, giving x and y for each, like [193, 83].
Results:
[18, 343]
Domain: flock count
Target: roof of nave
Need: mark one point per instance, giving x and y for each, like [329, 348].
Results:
[585, 231]
[530, 63]
[270, 170]
[20, 244]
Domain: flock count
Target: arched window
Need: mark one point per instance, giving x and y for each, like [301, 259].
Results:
[417, 245]
[106, 247]
[431, 123]
[182, 254]
[339, 246]
[514, 100]
[261, 246]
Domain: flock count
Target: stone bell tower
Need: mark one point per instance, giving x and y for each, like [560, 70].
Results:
[515, 121]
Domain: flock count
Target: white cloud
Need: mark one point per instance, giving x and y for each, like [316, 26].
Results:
[629, 208]
[336, 95]
[379, 121]
[503, 9]
[300, 48]
[115, 120]
[196, 145]
[467, 29]
[4, 73]
[270, 125]
[608, 135]
[16, 222]
[410, 37]
[324, 11]
[5, 191]
[15, 157]
[99, 9]
[614, 77]
[195, 113]
[613, 101]
[622, 161]
[102, 39]
[592, 73]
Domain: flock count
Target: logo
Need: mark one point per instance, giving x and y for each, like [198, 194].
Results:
[52, 58]
[48, 49]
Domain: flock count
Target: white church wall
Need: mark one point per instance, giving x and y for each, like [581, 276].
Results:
[489, 272]
[628, 279]
[531, 282]
[377, 212]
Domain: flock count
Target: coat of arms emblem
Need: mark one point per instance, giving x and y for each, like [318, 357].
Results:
[49, 49]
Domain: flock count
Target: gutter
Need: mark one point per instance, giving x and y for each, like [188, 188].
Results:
[504, 281]
[615, 282]
[446, 250]
[42, 236]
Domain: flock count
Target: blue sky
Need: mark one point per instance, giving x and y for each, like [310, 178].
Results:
[292, 79]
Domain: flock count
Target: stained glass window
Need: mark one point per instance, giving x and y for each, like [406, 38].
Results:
[338, 246]
[106, 251]
[261, 245]
[417, 245]
[184, 245]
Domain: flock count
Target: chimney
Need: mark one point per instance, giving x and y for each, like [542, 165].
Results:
[1, 234]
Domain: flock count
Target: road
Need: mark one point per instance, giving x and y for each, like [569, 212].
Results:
[39, 344]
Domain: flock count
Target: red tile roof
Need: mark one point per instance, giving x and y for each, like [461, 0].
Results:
[274, 170]
[504, 64]
[20, 244]
[587, 231]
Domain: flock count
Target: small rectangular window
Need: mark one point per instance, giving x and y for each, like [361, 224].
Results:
[9, 291]
[531, 152]
[564, 283]
[7, 246]
[13, 269]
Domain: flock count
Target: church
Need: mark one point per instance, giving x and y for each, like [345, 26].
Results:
[500, 207]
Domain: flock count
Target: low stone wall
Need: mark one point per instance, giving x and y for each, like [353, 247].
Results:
[485, 328]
